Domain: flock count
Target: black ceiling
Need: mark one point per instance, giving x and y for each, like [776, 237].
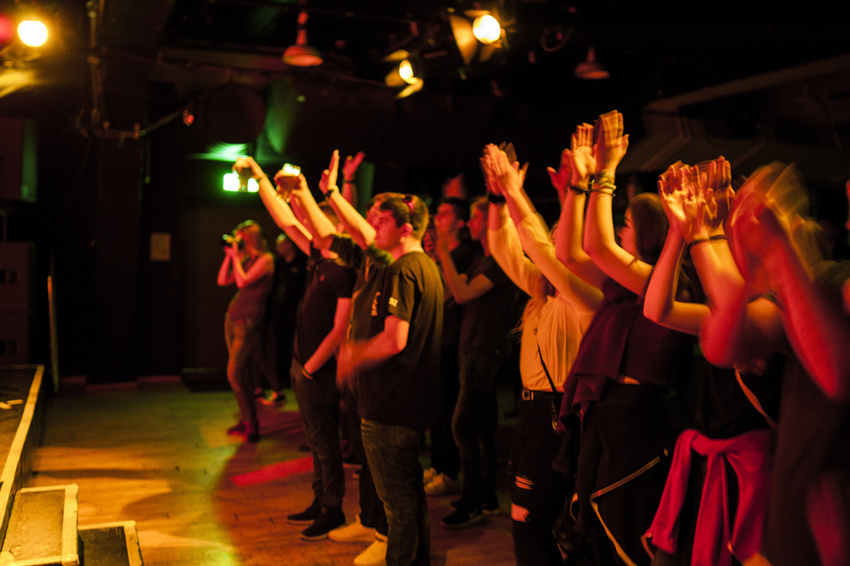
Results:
[723, 70]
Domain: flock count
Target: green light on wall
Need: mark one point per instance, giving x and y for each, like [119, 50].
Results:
[231, 184]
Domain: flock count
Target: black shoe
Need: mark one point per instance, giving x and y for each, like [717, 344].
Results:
[328, 520]
[462, 517]
[252, 435]
[306, 516]
[490, 507]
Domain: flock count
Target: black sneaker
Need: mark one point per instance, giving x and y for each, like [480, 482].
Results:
[252, 433]
[328, 520]
[490, 507]
[462, 517]
[306, 516]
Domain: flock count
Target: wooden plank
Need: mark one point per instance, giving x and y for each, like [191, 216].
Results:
[19, 456]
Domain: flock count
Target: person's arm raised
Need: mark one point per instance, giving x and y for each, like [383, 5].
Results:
[600, 241]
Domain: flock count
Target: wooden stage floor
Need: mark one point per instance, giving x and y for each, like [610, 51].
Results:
[158, 454]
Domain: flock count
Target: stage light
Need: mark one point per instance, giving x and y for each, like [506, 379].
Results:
[32, 33]
[404, 74]
[477, 34]
[486, 29]
[590, 68]
[405, 71]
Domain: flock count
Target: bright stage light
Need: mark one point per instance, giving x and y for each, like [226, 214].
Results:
[486, 29]
[32, 33]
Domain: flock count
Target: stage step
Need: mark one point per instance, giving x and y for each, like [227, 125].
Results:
[42, 528]
[110, 544]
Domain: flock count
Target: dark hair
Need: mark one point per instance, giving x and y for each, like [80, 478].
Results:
[408, 209]
[481, 203]
[460, 207]
[381, 197]
[650, 225]
[253, 234]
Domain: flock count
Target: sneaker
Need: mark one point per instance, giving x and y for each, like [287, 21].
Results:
[441, 485]
[429, 475]
[488, 507]
[328, 520]
[273, 398]
[375, 555]
[462, 517]
[238, 429]
[352, 532]
[307, 516]
[252, 433]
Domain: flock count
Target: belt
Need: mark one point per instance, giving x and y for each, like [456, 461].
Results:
[529, 395]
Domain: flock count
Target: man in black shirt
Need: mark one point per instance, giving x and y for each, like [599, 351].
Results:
[396, 367]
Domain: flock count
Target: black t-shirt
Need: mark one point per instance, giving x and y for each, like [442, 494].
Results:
[288, 286]
[327, 281]
[370, 265]
[403, 389]
[487, 321]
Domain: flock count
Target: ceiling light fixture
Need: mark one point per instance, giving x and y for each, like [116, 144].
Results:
[590, 68]
[486, 29]
[301, 54]
[404, 74]
[474, 28]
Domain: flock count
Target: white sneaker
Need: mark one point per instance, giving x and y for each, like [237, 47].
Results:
[352, 532]
[440, 485]
[375, 555]
[429, 475]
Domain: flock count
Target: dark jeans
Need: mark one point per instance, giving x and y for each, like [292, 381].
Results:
[318, 402]
[371, 509]
[474, 427]
[444, 454]
[537, 491]
[393, 454]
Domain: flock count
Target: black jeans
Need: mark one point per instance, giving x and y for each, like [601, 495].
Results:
[318, 402]
[474, 427]
[537, 491]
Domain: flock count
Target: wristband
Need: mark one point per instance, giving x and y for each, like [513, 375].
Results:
[579, 189]
[330, 191]
[306, 373]
[496, 199]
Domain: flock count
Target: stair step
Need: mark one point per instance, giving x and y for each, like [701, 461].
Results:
[110, 544]
[42, 528]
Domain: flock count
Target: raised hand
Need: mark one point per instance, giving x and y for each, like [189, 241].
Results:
[717, 194]
[349, 168]
[329, 175]
[611, 144]
[561, 178]
[582, 158]
[678, 198]
[507, 175]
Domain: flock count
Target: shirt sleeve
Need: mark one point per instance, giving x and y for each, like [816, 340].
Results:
[507, 251]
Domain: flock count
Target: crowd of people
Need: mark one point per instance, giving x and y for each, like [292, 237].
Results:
[685, 376]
